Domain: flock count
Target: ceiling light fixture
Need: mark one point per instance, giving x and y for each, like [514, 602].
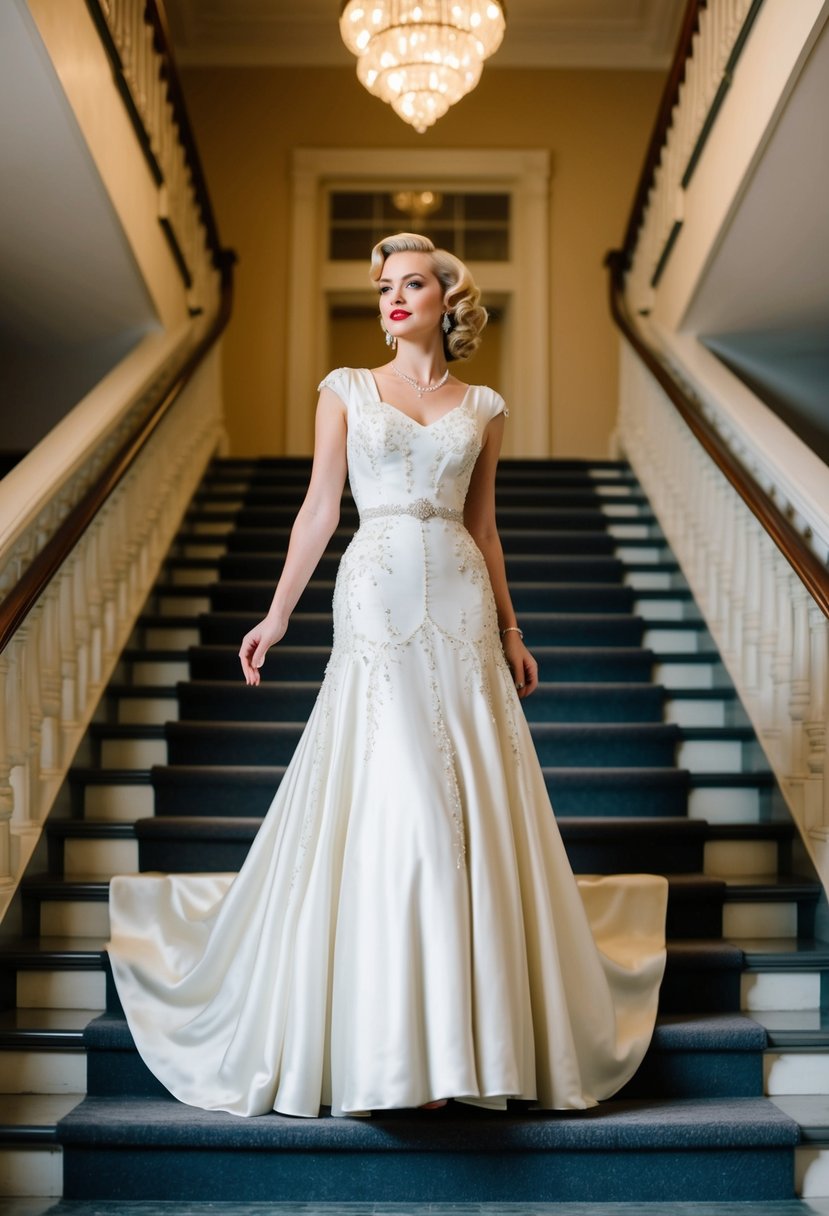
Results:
[421, 56]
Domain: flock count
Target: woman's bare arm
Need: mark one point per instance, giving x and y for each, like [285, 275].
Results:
[479, 518]
[313, 527]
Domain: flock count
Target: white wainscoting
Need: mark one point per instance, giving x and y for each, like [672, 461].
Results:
[56, 666]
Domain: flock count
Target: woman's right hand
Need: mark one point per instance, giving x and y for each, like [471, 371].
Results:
[255, 645]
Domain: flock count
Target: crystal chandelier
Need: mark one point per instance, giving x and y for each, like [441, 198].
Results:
[421, 56]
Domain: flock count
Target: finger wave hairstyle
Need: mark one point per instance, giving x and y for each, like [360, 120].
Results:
[467, 315]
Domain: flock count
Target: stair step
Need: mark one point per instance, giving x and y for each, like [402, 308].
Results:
[95, 848]
[293, 700]
[715, 1055]
[45, 1029]
[167, 632]
[56, 905]
[730, 798]
[783, 973]
[148, 666]
[517, 497]
[146, 705]
[115, 795]
[634, 1150]
[700, 669]
[689, 707]
[582, 665]
[128, 745]
[42, 1051]
[796, 1071]
[54, 972]
[32, 1118]
[772, 906]
[600, 744]
[31, 1161]
[254, 597]
[792, 1029]
[242, 789]
[682, 636]
[810, 1112]
[541, 629]
[517, 542]
[521, 568]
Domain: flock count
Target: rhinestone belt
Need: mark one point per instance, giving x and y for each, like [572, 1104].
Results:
[421, 509]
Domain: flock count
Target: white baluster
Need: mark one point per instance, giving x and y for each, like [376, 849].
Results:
[34, 684]
[768, 628]
[751, 606]
[800, 691]
[94, 597]
[6, 788]
[50, 677]
[815, 724]
[68, 659]
[80, 615]
[17, 729]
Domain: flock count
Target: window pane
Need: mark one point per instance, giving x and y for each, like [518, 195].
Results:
[487, 245]
[350, 244]
[441, 237]
[487, 207]
[474, 226]
[348, 205]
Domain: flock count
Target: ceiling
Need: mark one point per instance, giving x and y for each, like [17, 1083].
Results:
[540, 33]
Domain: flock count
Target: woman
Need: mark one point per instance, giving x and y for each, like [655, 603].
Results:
[406, 928]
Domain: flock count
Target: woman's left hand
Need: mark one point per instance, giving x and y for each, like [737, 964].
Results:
[521, 663]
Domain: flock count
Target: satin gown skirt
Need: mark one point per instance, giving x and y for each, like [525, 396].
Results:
[406, 926]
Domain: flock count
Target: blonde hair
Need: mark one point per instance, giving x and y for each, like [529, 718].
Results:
[461, 295]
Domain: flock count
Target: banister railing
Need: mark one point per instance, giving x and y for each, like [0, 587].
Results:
[16, 605]
[751, 535]
[136, 36]
[662, 123]
[808, 567]
[711, 40]
[84, 527]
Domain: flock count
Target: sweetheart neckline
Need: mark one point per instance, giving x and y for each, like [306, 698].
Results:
[424, 426]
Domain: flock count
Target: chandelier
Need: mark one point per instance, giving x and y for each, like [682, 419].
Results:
[421, 56]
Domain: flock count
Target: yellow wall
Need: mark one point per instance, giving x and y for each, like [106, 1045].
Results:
[595, 124]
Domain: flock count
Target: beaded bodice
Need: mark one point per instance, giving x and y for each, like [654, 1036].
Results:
[393, 460]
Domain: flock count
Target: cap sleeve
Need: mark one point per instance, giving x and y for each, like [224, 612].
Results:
[496, 405]
[339, 382]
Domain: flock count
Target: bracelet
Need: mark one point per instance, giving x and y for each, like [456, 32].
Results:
[513, 629]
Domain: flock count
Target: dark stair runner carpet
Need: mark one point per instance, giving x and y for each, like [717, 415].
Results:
[581, 547]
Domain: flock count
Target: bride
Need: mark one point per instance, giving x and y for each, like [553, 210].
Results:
[406, 928]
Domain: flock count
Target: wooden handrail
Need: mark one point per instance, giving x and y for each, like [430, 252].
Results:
[670, 94]
[24, 595]
[805, 563]
[792, 545]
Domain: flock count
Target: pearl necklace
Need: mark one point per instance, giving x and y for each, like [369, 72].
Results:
[419, 388]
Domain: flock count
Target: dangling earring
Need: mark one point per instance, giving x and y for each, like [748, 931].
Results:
[446, 323]
[390, 338]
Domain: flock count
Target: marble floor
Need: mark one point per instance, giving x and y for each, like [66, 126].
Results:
[42, 1207]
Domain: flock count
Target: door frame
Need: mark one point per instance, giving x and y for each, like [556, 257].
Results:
[523, 281]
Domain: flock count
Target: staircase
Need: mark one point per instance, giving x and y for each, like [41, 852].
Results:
[651, 765]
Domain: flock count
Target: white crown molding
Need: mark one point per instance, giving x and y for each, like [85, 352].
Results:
[605, 34]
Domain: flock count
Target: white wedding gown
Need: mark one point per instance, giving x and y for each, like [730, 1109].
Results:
[406, 926]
